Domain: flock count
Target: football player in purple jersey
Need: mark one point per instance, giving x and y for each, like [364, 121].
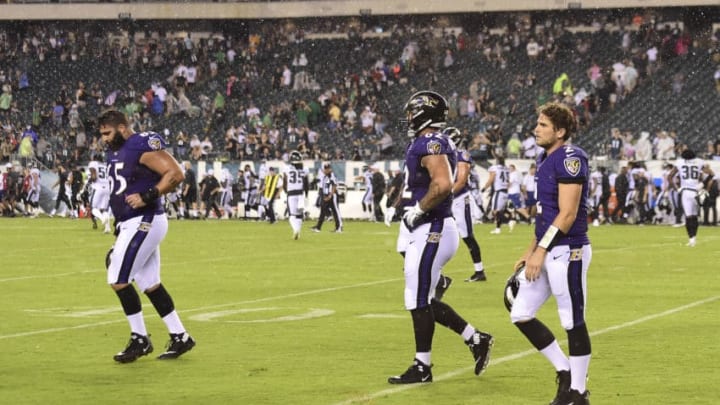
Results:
[557, 260]
[462, 203]
[433, 236]
[140, 173]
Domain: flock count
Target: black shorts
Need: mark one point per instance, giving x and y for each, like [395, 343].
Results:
[191, 196]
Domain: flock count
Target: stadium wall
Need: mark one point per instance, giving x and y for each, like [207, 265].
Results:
[345, 171]
[299, 9]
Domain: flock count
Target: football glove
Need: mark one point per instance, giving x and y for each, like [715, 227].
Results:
[389, 214]
[413, 215]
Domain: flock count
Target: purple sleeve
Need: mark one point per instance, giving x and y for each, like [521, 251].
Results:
[572, 168]
[147, 142]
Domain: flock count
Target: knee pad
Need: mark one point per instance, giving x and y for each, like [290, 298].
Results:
[130, 300]
[161, 300]
[536, 332]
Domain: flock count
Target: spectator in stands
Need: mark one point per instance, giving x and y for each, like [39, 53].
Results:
[171, 105]
[350, 117]
[471, 108]
[513, 148]
[594, 73]
[57, 113]
[628, 146]
[562, 86]
[206, 147]
[41, 149]
[195, 148]
[302, 113]
[367, 120]
[286, 78]
[712, 151]
[643, 147]
[652, 60]
[6, 148]
[181, 145]
[385, 146]
[533, 50]
[479, 147]
[616, 144]
[529, 147]
[96, 150]
[6, 99]
[449, 59]
[81, 145]
[665, 146]
[630, 79]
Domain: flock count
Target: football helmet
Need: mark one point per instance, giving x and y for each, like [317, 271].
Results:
[107, 257]
[295, 157]
[702, 195]
[455, 136]
[688, 154]
[425, 109]
[511, 288]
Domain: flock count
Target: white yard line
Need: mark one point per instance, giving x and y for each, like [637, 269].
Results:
[232, 304]
[511, 357]
[3, 280]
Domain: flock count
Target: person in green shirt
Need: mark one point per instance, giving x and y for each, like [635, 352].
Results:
[6, 99]
[513, 147]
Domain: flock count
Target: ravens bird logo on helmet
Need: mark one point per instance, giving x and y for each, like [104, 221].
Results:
[425, 109]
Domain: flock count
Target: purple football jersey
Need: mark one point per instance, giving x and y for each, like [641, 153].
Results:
[418, 178]
[128, 176]
[568, 164]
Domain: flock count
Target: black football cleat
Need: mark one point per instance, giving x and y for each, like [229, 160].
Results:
[480, 345]
[442, 286]
[477, 276]
[418, 372]
[563, 390]
[576, 398]
[138, 346]
[179, 343]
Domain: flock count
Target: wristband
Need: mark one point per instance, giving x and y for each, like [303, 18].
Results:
[150, 196]
[549, 237]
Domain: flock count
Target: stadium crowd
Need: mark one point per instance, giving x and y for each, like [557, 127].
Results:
[332, 88]
[217, 95]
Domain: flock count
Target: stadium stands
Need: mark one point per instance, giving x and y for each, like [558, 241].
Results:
[341, 65]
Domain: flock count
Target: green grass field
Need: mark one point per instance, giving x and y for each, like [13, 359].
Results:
[321, 320]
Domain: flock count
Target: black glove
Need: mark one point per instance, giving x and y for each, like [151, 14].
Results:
[150, 196]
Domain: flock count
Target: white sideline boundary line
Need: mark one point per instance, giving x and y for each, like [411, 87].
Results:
[511, 357]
